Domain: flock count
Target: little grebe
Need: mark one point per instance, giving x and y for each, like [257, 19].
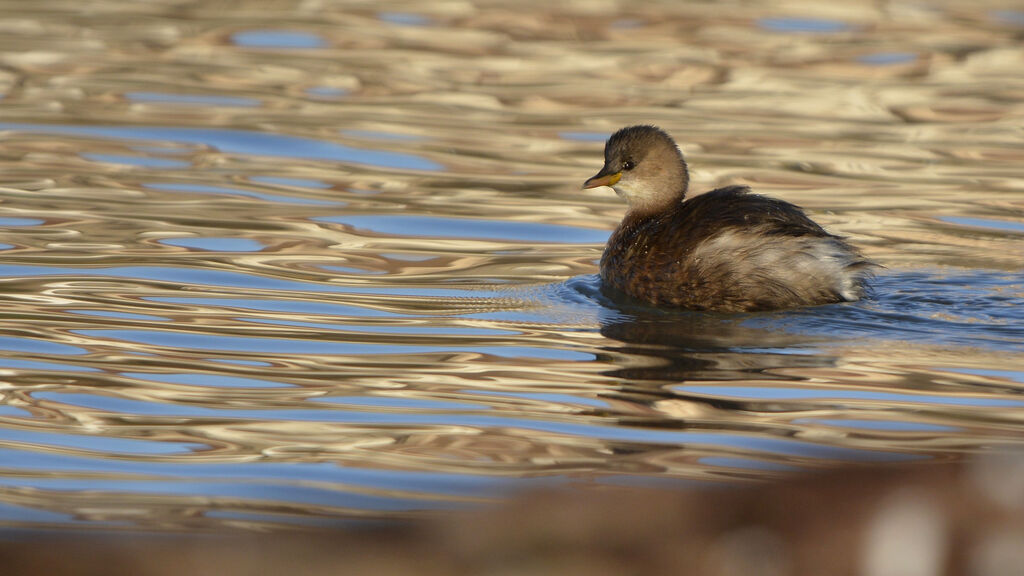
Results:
[725, 250]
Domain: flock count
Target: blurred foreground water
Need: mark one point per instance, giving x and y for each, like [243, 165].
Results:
[275, 264]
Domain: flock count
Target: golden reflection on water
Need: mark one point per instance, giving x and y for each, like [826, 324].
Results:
[267, 264]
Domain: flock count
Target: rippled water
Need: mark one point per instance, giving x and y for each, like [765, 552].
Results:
[282, 264]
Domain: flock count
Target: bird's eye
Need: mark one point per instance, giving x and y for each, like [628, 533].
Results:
[628, 165]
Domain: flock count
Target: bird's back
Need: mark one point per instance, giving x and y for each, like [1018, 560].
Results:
[730, 250]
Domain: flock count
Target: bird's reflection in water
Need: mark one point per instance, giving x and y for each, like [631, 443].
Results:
[655, 351]
[661, 349]
[674, 346]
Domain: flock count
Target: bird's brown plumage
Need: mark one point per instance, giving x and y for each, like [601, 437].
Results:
[726, 250]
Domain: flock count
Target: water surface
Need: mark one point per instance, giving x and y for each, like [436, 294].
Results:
[332, 264]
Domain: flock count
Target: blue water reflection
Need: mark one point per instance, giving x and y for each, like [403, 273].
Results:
[289, 39]
[37, 346]
[188, 340]
[772, 393]
[991, 223]
[216, 244]
[296, 182]
[432, 226]
[1013, 17]
[328, 472]
[385, 329]
[236, 142]
[326, 92]
[287, 306]
[394, 402]
[226, 489]
[780, 446]
[404, 18]
[173, 274]
[191, 99]
[11, 512]
[13, 411]
[1012, 375]
[807, 25]
[95, 442]
[9, 221]
[19, 364]
[584, 136]
[206, 379]
[887, 58]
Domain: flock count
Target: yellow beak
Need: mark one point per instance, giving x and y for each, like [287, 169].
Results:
[602, 179]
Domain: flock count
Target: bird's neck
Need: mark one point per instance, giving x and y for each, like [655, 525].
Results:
[661, 198]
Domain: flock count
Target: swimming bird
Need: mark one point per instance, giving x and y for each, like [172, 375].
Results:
[727, 250]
